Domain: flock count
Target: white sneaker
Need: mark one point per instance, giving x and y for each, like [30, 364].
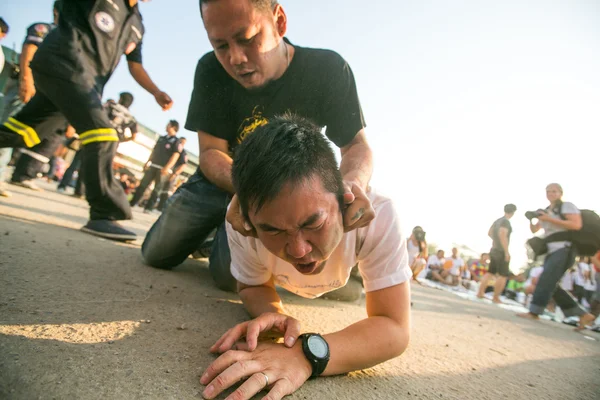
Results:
[3, 192]
[29, 184]
[61, 190]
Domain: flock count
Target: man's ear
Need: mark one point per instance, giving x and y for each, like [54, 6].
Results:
[280, 20]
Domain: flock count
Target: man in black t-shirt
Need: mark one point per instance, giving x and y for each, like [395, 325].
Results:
[254, 74]
[499, 256]
[160, 166]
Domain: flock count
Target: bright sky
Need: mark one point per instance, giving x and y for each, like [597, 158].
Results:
[469, 104]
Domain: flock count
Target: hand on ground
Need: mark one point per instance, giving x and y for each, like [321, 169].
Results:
[281, 323]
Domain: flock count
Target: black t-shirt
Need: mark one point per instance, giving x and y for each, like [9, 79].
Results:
[164, 149]
[183, 158]
[500, 223]
[318, 85]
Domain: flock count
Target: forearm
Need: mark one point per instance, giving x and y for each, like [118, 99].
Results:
[354, 348]
[27, 54]
[169, 165]
[357, 164]
[179, 170]
[261, 299]
[504, 243]
[139, 73]
[534, 228]
[216, 167]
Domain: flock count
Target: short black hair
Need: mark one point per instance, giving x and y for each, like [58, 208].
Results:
[126, 99]
[287, 150]
[260, 4]
[3, 26]
[510, 208]
[174, 124]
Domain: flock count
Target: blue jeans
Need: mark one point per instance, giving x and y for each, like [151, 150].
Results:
[555, 266]
[191, 214]
[68, 175]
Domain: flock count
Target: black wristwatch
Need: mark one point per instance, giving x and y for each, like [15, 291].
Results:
[316, 351]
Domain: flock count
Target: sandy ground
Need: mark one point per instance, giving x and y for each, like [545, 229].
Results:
[83, 318]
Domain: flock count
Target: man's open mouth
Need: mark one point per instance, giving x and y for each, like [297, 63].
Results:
[306, 268]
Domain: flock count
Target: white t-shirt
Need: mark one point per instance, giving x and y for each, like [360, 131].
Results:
[567, 281]
[457, 264]
[435, 261]
[579, 278]
[534, 273]
[413, 251]
[590, 284]
[379, 249]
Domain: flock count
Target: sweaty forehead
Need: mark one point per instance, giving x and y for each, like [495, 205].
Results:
[224, 19]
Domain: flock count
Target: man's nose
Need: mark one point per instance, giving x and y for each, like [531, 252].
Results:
[237, 55]
[298, 246]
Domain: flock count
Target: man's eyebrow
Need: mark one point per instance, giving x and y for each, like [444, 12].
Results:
[312, 219]
[309, 221]
[267, 227]
[238, 34]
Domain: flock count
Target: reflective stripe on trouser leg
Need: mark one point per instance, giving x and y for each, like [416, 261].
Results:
[99, 135]
[30, 137]
[36, 156]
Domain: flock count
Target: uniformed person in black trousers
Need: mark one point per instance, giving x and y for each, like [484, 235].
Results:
[20, 89]
[169, 186]
[71, 68]
[160, 166]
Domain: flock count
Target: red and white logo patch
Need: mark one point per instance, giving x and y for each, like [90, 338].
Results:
[41, 29]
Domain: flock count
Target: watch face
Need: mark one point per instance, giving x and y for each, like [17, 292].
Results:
[317, 346]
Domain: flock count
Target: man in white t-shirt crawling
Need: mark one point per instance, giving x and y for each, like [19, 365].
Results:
[290, 191]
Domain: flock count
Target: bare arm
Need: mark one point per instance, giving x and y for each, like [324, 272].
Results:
[535, 227]
[425, 252]
[26, 87]
[503, 236]
[596, 260]
[139, 73]
[169, 165]
[179, 170]
[357, 161]
[260, 299]
[353, 348]
[215, 162]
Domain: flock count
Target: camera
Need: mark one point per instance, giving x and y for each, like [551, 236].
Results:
[419, 233]
[533, 214]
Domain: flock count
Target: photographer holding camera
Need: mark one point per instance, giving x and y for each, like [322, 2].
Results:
[559, 216]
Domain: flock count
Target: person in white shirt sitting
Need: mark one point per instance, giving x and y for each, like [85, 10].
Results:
[290, 192]
[435, 263]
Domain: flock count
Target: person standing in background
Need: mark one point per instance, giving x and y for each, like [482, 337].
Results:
[499, 255]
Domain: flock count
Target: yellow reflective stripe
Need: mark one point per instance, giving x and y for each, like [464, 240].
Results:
[106, 138]
[30, 132]
[102, 131]
[30, 137]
